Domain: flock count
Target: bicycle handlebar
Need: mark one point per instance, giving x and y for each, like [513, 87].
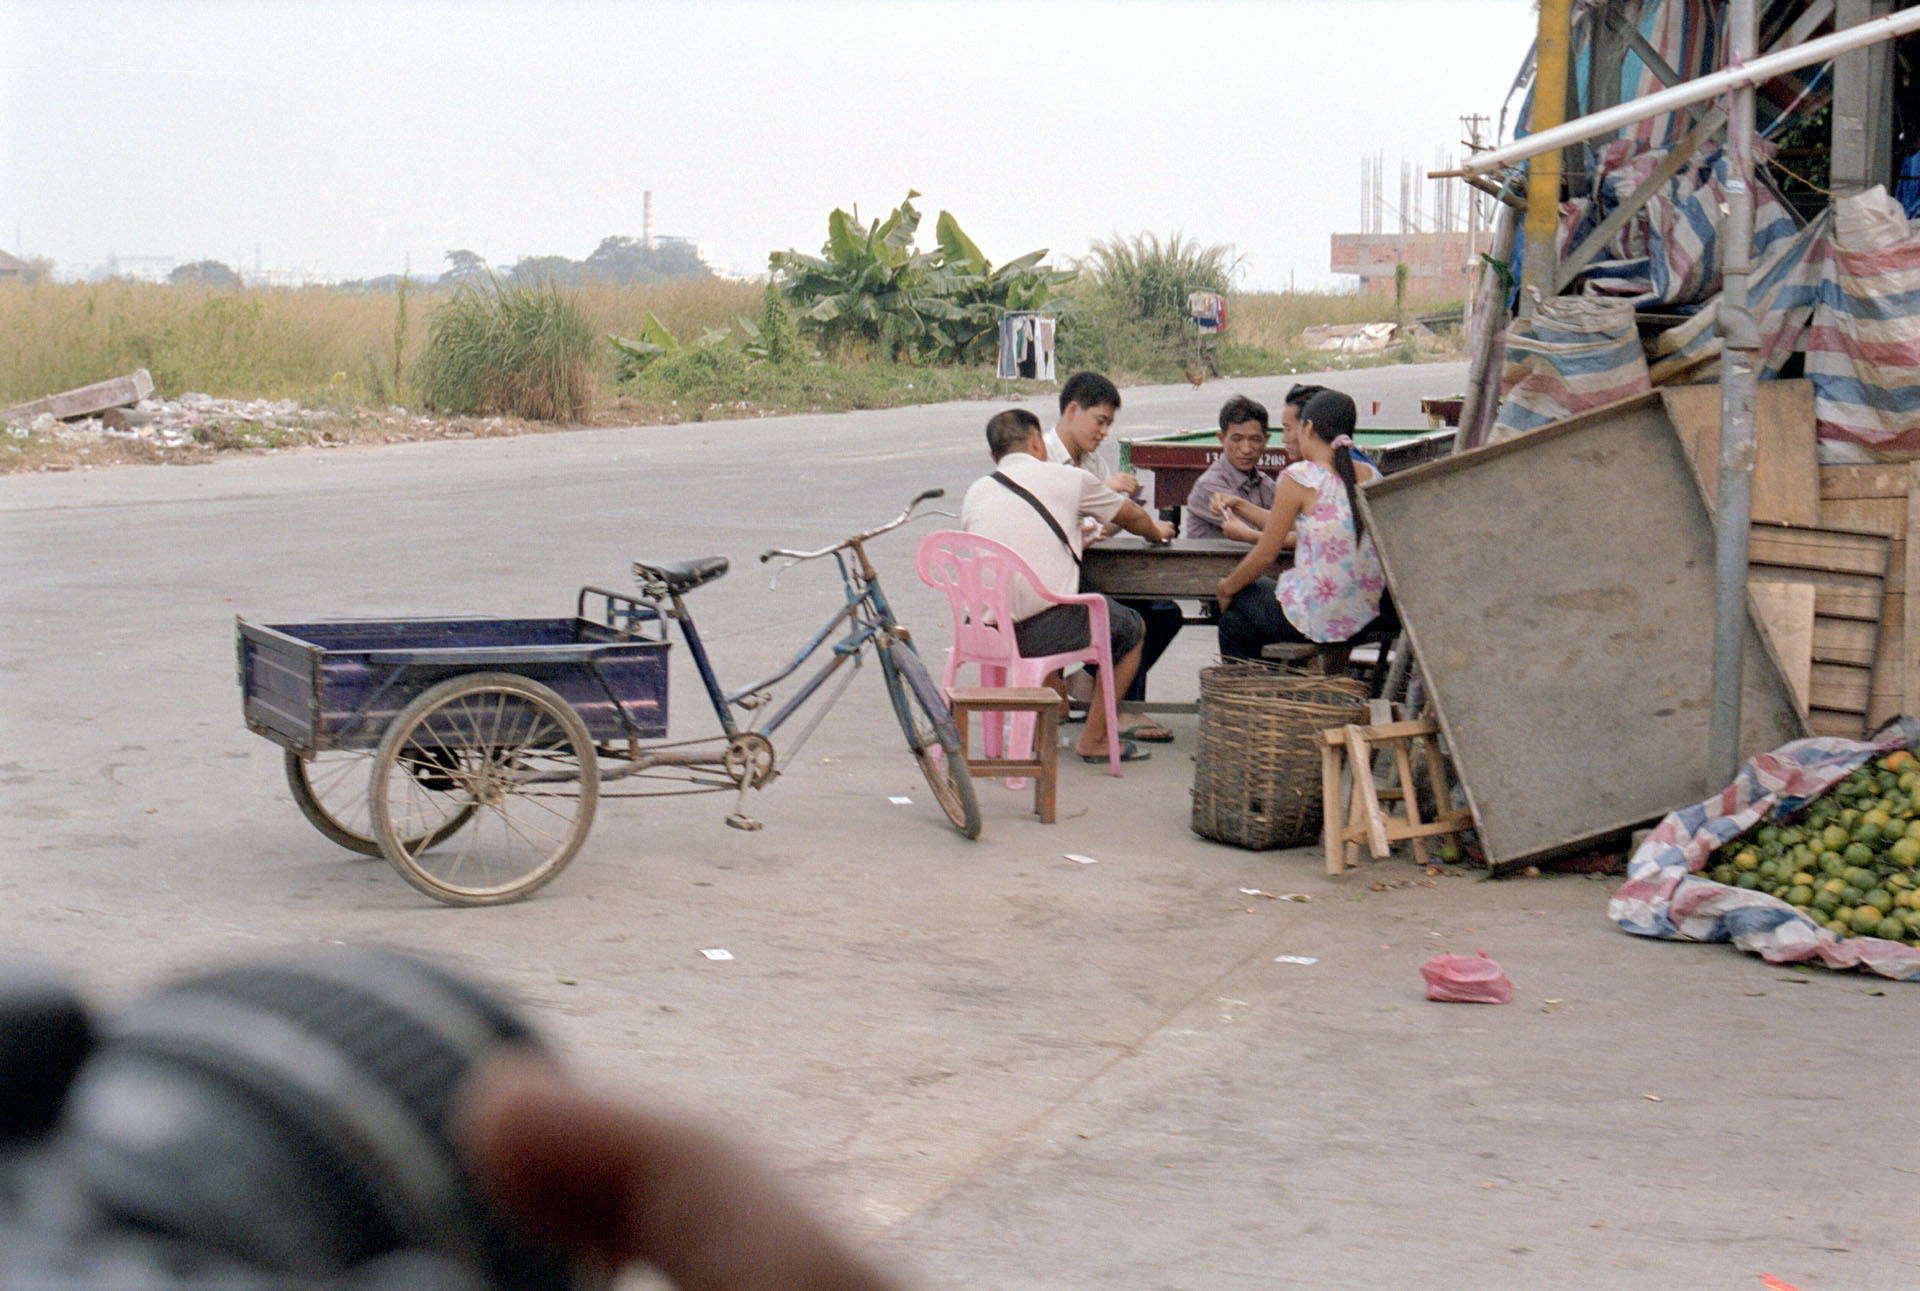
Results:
[844, 543]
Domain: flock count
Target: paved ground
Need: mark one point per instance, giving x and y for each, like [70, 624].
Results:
[1001, 1067]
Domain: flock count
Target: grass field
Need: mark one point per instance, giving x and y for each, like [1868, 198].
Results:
[349, 349]
[323, 346]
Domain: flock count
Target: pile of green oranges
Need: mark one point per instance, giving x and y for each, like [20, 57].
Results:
[1850, 858]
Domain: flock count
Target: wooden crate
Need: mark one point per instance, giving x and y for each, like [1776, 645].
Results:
[1842, 573]
[1885, 499]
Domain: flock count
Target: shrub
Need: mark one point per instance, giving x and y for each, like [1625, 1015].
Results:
[1146, 281]
[523, 351]
[1128, 310]
[779, 337]
[871, 291]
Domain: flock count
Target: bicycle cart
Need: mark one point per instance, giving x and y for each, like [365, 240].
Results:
[472, 752]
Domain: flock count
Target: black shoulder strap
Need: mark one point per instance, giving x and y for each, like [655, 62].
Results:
[1045, 514]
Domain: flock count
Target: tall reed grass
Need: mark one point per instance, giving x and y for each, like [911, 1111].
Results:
[342, 347]
[324, 346]
[524, 351]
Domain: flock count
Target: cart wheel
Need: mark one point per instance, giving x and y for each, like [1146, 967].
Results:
[933, 738]
[330, 789]
[504, 749]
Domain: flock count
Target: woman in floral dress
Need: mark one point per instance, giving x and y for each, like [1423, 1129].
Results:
[1332, 591]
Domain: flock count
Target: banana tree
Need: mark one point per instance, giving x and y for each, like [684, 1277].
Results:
[870, 284]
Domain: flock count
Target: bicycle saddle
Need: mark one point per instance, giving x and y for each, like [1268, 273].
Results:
[682, 575]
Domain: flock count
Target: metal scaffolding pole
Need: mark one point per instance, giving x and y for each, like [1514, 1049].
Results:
[1543, 172]
[1755, 72]
[1739, 379]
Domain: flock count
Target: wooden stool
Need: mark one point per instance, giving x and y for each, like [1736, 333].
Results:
[1364, 821]
[1044, 765]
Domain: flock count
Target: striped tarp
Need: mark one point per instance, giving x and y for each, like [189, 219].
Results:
[1668, 255]
[1665, 896]
[1780, 293]
[1687, 35]
[1863, 347]
[1575, 353]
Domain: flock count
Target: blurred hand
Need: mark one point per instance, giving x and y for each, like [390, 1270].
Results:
[613, 1185]
[1237, 531]
[1163, 532]
[1123, 484]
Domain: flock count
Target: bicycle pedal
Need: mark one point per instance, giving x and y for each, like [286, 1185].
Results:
[740, 820]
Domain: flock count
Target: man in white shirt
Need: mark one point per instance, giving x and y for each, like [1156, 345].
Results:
[1067, 493]
[1089, 404]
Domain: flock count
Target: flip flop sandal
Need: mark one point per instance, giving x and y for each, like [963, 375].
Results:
[1148, 733]
[1129, 752]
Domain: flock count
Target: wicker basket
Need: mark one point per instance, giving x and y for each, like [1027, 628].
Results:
[1256, 779]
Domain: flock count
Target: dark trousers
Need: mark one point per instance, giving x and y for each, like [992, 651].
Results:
[1255, 620]
[1163, 620]
[1163, 624]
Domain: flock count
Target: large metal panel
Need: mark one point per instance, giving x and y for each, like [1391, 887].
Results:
[1558, 588]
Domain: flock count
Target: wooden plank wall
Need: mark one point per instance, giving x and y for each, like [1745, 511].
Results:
[1846, 571]
[1886, 499]
[1784, 452]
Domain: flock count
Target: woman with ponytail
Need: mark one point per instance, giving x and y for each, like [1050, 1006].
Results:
[1332, 591]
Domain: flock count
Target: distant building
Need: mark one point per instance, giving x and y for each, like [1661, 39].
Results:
[1437, 263]
[13, 268]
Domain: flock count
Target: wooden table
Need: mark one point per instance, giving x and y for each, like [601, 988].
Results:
[1184, 569]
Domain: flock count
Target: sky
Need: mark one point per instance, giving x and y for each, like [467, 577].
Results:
[341, 139]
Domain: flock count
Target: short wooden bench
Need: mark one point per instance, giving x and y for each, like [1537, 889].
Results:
[1361, 818]
[1044, 765]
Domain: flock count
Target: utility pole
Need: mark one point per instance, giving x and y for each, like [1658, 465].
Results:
[1474, 144]
[1543, 171]
[1739, 348]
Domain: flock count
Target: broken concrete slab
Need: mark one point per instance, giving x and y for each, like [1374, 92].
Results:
[98, 397]
[1349, 338]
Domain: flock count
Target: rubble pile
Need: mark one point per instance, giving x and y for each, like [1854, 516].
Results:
[177, 423]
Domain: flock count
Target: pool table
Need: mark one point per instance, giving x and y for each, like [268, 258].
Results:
[1177, 460]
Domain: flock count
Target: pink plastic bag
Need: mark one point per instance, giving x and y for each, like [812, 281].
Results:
[1466, 979]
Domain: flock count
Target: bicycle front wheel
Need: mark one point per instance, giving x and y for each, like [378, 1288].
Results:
[932, 737]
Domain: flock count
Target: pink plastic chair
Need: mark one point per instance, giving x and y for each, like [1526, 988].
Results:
[976, 574]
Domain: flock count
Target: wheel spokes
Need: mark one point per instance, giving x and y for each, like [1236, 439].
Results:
[510, 753]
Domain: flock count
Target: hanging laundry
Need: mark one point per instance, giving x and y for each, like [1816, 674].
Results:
[1007, 366]
[1026, 347]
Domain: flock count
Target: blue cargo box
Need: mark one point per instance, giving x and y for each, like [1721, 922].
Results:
[316, 686]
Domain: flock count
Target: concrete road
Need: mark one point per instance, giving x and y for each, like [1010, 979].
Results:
[1000, 1067]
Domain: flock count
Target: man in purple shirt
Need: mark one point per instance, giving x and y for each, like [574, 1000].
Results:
[1243, 438]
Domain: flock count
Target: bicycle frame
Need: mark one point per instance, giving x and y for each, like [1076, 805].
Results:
[866, 615]
[745, 757]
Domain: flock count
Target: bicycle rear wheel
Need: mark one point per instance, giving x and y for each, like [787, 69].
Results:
[331, 791]
[502, 748]
[932, 736]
